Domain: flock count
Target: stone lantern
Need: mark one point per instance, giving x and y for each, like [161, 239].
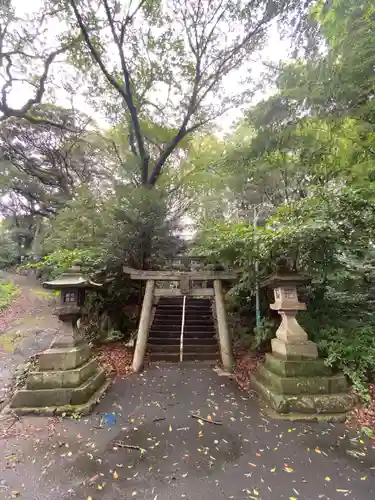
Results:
[67, 379]
[294, 381]
[291, 339]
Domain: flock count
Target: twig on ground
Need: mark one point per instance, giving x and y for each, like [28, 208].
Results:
[11, 425]
[120, 444]
[158, 419]
[14, 415]
[215, 422]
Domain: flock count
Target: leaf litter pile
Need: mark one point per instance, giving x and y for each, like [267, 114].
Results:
[363, 417]
[247, 363]
[115, 359]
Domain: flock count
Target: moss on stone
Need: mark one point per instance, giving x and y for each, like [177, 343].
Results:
[69, 409]
[302, 403]
[303, 385]
[296, 368]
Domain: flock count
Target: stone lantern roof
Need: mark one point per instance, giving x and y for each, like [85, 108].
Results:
[284, 276]
[72, 278]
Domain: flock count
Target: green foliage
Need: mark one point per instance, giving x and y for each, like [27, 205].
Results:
[8, 292]
[308, 170]
[59, 261]
[351, 351]
[8, 251]
[263, 335]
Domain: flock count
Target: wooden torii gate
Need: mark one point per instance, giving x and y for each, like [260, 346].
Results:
[186, 280]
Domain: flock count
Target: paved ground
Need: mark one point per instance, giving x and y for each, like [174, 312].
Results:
[26, 329]
[247, 457]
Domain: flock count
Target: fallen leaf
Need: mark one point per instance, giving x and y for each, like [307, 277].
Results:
[115, 475]
[327, 478]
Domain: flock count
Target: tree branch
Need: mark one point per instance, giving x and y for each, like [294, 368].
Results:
[23, 112]
[129, 97]
[94, 53]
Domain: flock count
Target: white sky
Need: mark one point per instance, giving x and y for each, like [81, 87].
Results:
[275, 50]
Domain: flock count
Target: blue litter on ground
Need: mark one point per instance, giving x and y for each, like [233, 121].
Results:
[109, 418]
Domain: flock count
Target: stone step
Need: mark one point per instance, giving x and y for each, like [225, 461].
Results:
[175, 358]
[178, 314]
[188, 313]
[167, 333]
[199, 318]
[170, 322]
[59, 396]
[167, 314]
[178, 301]
[188, 327]
[302, 403]
[51, 379]
[303, 385]
[190, 310]
[189, 348]
[208, 333]
[176, 340]
[178, 322]
[175, 329]
[308, 417]
[296, 368]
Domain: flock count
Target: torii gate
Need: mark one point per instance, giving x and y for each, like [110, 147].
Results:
[186, 280]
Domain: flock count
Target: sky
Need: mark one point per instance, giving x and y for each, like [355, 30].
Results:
[275, 50]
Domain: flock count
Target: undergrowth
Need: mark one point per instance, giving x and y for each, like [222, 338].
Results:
[8, 292]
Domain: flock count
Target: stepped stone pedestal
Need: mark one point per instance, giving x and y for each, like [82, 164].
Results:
[66, 380]
[295, 383]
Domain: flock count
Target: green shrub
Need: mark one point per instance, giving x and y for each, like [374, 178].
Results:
[8, 292]
[59, 261]
[263, 335]
[351, 351]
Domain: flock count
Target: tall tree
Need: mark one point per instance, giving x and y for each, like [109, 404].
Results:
[27, 53]
[171, 61]
[43, 165]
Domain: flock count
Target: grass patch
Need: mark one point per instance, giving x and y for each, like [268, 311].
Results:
[8, 292]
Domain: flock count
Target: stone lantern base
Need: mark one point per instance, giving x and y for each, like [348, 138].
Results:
[67, 381]
[302, 389]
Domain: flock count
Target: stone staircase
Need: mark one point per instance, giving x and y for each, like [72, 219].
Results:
[199, 341]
